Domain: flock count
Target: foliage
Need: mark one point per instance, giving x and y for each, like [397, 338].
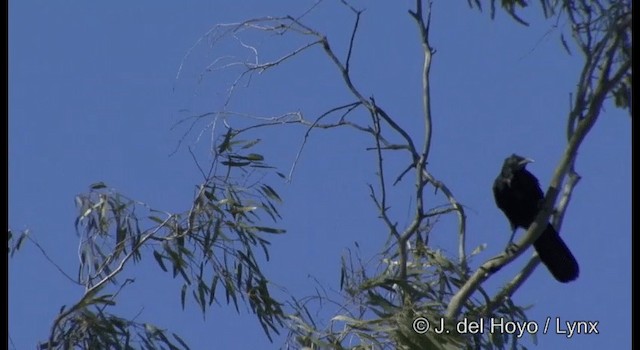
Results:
[596, 25]
[211, 245]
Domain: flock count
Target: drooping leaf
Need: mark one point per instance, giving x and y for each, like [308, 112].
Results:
[270, 229]
[232, 163]
[158, 258]
[224, 146]
[182, 342]
[183, 293]
[250, 144]
[271, 193]
[97, 185]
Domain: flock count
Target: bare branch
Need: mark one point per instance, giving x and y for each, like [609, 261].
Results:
[427, 52]
[383, 187]
[462, 217]
[350, 107]
[46, 256]
[351, 40]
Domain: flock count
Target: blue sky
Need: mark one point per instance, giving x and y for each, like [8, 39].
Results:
[93, 95]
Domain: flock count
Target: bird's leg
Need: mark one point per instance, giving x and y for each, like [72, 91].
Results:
[510, 245]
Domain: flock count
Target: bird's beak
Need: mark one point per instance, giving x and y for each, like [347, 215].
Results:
[526, 161]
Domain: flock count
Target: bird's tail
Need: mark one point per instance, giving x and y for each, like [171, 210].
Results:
[555, 254]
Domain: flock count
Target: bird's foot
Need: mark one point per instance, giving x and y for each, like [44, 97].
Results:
[511, 248]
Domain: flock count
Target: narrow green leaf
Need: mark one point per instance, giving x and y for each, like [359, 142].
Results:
[97, 185]
[239, 275]
[158, 258]
[245, 209]
[564, 43]
[156, 219]
[342, 273]
[180, 341]
[262, 166]
[271, 193]
[225, 143]
[254, 157]
[270, 229]
[234, 163]
[20, 239]
[183, 293]
[212, 289]
[251, 143]
[202, 290]
[479, 249]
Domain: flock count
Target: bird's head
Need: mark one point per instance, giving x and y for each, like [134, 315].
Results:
[516, 162]
[512, 165]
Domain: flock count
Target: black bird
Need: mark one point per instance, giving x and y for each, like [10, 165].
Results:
[518, 194]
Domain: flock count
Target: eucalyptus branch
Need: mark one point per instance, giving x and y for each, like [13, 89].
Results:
[374, 108]
[383, 187]
[94, 289]
[536, 228]
[46, 256]
[350, 107]
[494, 264]
[428, 51]
[462, 217]
[509, 289]
[428, 54]
[346, 77]
[403, 173]
[383, 214]
[351, 40]
[410, 145]
[605, 83]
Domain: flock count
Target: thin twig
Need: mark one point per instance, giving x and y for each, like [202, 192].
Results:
[46, 256]
[349, 107]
